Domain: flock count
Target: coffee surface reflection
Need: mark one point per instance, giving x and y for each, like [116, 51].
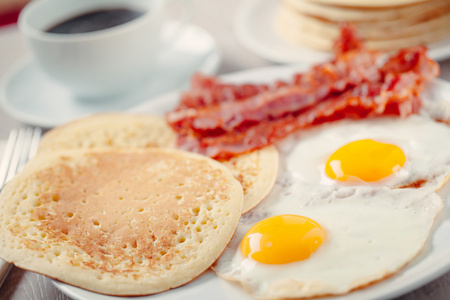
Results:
[95, 21]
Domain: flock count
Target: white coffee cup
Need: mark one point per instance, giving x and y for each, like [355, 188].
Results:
[99, 63]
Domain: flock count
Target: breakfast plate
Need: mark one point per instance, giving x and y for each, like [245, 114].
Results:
[253, 26]
[432, 263]
[29, 96]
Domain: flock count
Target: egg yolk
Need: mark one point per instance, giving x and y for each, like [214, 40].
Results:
[282, 239]
[367, 160]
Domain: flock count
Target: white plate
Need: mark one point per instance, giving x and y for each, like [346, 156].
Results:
[29, 96]
[253, 25]
[433, 262]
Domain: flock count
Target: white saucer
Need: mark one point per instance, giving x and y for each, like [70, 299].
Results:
[253, 25]
[30, 97]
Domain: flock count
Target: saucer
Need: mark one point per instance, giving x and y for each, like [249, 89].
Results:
[254, 28]
[32, 98]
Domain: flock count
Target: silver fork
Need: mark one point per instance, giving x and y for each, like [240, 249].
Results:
[21, 146]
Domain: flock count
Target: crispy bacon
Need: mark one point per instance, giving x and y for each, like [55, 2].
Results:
[312, 87]
[222, 120]
[414, 60]
[357, 103]
[353, 66]
[207, 91]
[348, 41]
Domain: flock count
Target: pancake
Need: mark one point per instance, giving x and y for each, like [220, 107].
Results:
[373, 3]
[405, 27]
[113, 130]
[364, 14]
[316, 24]
[119, 222]
[319, 34]
[256, 171]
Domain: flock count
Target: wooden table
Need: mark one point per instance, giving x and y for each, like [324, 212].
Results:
[216, 17]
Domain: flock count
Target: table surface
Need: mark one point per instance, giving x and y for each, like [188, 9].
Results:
[216, 17]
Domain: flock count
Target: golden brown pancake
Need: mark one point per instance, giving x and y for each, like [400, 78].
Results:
[372, 3]
[364, 14]
[119, 222]
[319, 34]
[317, 25]
[114, 130]
[256, 171]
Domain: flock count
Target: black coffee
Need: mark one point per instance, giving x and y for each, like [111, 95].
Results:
[96, 20]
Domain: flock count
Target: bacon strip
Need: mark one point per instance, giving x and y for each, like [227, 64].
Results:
[222, 120]
[355, 104]
[207, 91]
[318, 84]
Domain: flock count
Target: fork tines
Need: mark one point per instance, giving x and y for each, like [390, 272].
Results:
[21, 146]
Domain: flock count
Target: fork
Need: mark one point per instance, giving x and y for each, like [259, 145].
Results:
[21, 146]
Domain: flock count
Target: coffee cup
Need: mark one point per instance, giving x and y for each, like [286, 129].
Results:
[94, 63]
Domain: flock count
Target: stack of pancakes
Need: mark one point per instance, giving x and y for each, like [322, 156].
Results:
[384, 24]
[108, 205]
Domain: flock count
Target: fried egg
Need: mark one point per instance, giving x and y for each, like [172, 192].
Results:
[379, 152]
[346, 243]
[336, 219]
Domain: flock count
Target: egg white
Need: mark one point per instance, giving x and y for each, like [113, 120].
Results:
[373, 230]
[370, 235]
[422, 140]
